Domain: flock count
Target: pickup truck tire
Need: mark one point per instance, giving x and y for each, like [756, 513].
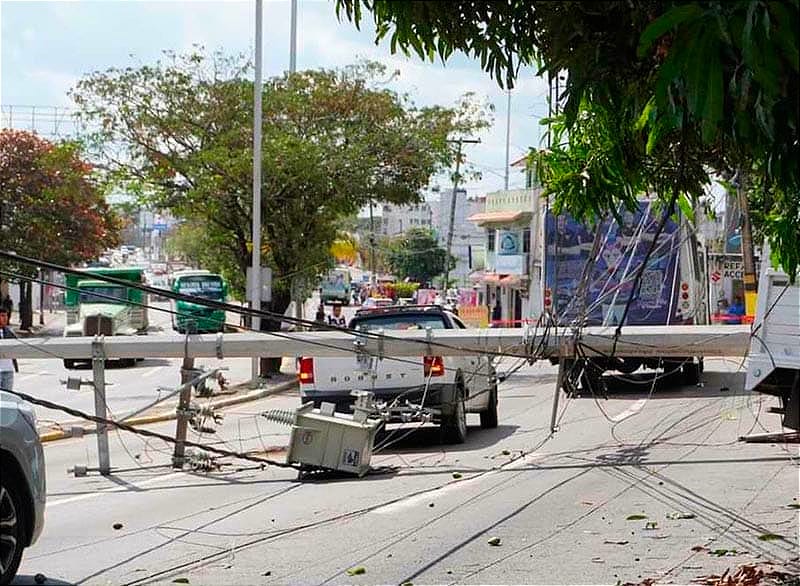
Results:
[69, 364]
[454, 425]
[489, 417]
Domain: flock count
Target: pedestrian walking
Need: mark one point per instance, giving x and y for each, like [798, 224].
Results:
[7, 365]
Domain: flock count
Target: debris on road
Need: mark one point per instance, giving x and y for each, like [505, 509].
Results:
[598, 560]
[746, 575]
[40, 578]
[680, 515]
[651, 526]
[616, 542]
[357, 571]
[494, 541]
[180, 581]
[117, 526]
[457, 475]
[769, 537]
[636, 517]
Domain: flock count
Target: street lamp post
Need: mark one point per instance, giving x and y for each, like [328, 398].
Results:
[255, 292]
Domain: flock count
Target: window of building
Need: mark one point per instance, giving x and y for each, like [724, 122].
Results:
[526, 241]
[490, 242]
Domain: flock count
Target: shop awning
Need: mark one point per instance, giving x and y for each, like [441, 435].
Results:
[498, 217]
[495, 279]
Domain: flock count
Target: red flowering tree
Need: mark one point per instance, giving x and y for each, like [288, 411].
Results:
[51, 207]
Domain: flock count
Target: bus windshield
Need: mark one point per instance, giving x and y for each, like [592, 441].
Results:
[102, 294]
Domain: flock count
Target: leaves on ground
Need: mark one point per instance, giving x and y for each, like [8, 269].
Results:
[651, 526]
[677, 515]
[506, 452]
[494, 541]
[769, 537]
[616, 542]
[794, 505]
[357, 571]
[636, 517]
[723, 552]
[457, 475]
[180, 581]
[747, 575]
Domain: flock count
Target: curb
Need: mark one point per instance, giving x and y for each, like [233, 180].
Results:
[51, 436]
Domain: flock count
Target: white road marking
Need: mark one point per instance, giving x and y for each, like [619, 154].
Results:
[632, 410]
[152, 371]
[83, 497]
[435, 493]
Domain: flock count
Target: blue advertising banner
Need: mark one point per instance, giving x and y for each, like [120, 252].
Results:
[568, 245]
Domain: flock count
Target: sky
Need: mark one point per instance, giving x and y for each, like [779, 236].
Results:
[46, 47]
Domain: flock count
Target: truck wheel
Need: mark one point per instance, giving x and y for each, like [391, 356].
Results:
[691, 371]
[69, 364]
[12, 527]
[454, 425]
[489, 417]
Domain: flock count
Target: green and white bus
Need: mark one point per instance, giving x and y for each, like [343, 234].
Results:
[197, 317]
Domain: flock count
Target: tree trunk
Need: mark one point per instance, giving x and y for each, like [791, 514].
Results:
[25, 305]
[280, 301]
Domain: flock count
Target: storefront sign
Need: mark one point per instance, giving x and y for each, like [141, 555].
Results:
[510, 264]
[507, 242]
[474, 316]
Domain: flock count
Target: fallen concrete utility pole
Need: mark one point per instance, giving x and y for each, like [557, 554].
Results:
[657, 341]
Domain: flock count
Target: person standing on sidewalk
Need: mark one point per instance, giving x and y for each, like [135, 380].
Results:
[7, 365]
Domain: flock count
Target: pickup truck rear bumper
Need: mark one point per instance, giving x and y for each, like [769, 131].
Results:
[441, 396]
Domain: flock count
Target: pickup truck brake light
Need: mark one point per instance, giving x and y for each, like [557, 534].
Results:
[305, 373]
[434, 366]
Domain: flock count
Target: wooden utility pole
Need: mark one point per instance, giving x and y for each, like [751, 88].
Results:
[450, 227]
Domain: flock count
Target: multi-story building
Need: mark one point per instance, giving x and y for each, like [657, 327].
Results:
[469, 241]
[398, 219]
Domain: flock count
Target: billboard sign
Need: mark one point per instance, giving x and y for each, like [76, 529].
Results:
[623, 248]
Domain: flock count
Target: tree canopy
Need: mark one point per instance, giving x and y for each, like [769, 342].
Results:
[657, 94]
[51, 204]
[416, 255]
[332, 141]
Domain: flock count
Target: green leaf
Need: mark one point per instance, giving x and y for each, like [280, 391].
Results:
[357, 571]
[635, 517]
[769, 537]
[666, 22]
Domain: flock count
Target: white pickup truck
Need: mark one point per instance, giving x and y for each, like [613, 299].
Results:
[773, 364]
[449, 387]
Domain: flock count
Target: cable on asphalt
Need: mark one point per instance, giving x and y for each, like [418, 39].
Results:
[142, 432]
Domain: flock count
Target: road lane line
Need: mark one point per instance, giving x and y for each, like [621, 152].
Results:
[152, 371]
[83, 497]
[437, 492]
[632, 410]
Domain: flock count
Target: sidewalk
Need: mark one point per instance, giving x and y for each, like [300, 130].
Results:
[53, 325]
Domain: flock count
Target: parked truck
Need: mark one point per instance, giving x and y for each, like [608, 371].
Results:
[773, 363]
[95, 307]
[671, 290]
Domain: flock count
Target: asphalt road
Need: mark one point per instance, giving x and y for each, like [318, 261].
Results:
[588, 505]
